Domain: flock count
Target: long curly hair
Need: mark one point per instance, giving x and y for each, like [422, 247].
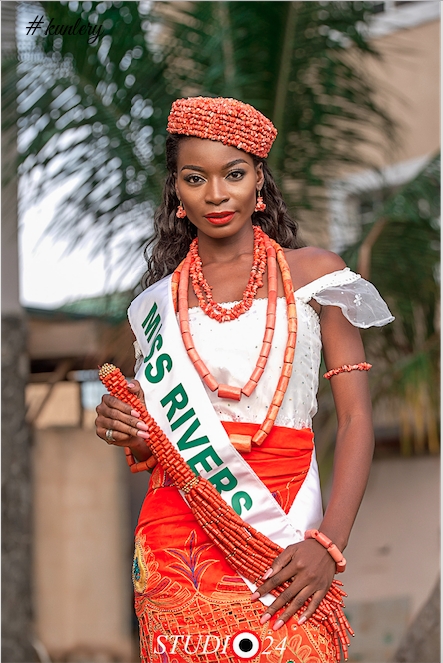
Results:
[172, 236]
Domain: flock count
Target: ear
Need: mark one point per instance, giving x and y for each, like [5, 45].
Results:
[260, 176]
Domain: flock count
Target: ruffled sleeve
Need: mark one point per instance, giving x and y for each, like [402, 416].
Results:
[359, 300]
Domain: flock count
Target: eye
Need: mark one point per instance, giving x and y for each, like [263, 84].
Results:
[194, 179]
[236, 174]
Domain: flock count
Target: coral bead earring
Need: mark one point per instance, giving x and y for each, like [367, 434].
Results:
[181, 212]
[260, 206]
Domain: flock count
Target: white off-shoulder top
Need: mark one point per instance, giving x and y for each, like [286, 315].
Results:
[230, 349]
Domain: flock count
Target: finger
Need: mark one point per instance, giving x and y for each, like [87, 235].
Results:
[273, 576]
[106, 415]
[135, 387]
[303, 599]
[295, 606]
[288, 572]
[283, 599]
[279, 563]
[112, 403]
[130, 426]
[317, 598]
[119, 439]
[136, 443]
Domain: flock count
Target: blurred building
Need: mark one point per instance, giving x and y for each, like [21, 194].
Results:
[81, 506]
[407, 78]
[399, 521]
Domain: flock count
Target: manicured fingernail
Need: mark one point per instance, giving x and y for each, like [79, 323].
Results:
[142, 426]
[278, 624]
[302, 620]
[265, 618]
[268, 574]
[255, 596]
[131, 385]
[142, 434]
[134, 413]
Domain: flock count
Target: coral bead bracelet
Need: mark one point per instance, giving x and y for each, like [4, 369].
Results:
[336, 554]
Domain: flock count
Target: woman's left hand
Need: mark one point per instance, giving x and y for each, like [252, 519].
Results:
[311, 569]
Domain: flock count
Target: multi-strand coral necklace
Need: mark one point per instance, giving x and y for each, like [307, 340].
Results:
[266, 253]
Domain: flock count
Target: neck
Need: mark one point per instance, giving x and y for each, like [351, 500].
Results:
[225, 249]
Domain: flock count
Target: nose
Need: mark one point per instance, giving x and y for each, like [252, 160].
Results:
[216, 192]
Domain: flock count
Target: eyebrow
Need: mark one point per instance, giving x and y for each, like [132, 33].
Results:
[202, 170]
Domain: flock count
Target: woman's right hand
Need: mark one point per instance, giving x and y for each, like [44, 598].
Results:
[123, 421]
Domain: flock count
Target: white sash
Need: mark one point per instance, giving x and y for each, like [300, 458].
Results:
[177, 400]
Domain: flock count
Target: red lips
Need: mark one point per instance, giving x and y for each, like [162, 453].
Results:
[219, 218]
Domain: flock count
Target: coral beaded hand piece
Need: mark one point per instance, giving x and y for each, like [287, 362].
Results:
[250, 552]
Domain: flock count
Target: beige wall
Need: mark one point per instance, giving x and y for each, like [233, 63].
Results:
[407, 85]
[82, 561]
[393, 556]
[394, 548]
[409, 76]
[53, 339]
[407, 80]
[62, 407]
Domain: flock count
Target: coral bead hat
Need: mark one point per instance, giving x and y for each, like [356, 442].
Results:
[228, 121]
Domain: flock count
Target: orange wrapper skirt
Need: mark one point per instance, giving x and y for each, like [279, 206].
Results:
[191, 605]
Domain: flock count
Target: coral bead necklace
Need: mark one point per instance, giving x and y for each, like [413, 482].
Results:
[203, 290]
[180, 281]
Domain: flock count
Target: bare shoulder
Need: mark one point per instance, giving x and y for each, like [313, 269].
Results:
[310, 263]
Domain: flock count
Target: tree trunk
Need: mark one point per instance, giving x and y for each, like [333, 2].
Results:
[16, 440]
[421, 642]
[16, 498]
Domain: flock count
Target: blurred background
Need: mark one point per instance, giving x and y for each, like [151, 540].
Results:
[353, 88]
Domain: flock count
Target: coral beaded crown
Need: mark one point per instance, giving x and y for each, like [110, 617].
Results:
[228, 121]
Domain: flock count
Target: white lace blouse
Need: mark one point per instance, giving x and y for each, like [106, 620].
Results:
[230, 349]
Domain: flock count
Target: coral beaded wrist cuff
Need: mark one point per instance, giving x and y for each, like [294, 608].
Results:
[337, 556]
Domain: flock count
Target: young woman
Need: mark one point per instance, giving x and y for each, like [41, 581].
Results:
[228, 357]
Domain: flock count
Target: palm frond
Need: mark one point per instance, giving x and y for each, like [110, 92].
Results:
[404, 266]
[307, 73]
[95, 113]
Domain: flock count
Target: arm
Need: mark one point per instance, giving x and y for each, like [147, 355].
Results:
[355, 438]
[308, 563]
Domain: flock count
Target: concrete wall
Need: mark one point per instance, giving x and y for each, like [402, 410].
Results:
[393, 555]
[82, 560]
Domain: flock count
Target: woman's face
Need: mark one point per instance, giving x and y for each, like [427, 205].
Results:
[217, 185]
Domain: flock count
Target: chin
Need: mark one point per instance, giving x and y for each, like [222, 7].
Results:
[224, 230]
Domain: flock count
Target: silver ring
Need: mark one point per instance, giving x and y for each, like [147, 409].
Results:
[110, 436]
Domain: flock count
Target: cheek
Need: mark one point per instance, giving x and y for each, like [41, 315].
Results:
[252, 196]
[187, 194]
[193, 201]
[247, 192]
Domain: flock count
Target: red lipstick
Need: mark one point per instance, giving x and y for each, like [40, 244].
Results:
[219, 218]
